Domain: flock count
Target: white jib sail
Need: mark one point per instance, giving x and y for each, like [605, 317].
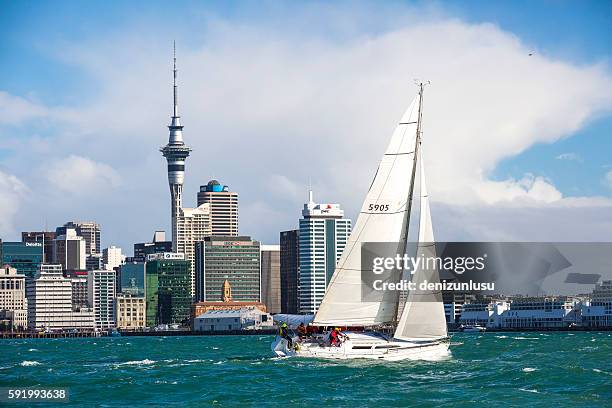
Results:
[423, 315]
[382, 219]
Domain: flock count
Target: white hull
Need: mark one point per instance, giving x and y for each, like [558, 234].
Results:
[365, 346]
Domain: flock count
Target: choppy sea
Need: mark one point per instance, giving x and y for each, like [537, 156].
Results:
[555, 369]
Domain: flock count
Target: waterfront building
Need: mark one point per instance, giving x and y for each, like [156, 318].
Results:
[78, 283]
[323, 235]
[223, 208]
[69, 250]
[25, 257]
[132, 278]
[50, 302]
[112, 257]
[270, 278]
[598, 311]
[235, 259]
[453, 304]
[539, 312]
[101, 292]
[225, 302]
[229, 320]
[13, 302]
[157, 246]
[289, 270]
[44, 237]
[167, 288]
[192, 225]
[130, 311]
[88, 230]
[484, 314]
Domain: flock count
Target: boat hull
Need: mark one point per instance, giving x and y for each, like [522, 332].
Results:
[379, 349]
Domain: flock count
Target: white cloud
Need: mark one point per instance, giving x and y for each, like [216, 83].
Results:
[80, 175]
[569, 156]
[13, 191]
[262, 106]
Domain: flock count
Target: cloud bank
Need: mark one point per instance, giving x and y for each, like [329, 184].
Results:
[266, 112]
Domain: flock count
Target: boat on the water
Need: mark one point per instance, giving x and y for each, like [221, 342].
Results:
[381, 329]
[471, 328]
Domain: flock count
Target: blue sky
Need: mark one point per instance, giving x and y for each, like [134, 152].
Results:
[64, 58]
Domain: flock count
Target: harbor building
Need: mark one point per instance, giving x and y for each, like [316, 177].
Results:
[112, 257]
[45, 238]
[223, 208]
[289, 270]
[25, 257]
[482, 314]
[101, 292]
[156, 246]
[132, 278]
[130, 311]
[270, 278]
[13, 301]
[598, 311]
[167, 288]
[69, 250]
[229, 320]
[50, 302]
[225, 302]
[323, 235]
[235, 259]
[539, 312]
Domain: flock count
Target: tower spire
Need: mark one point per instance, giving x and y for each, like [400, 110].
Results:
[175, 106]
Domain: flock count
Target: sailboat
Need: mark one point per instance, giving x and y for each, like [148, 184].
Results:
[377, 329]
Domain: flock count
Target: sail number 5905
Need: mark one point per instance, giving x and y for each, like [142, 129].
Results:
[378, 207]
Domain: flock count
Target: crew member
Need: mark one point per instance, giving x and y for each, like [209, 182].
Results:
[283, 331]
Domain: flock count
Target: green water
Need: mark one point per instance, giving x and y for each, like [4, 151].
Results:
[490, 369]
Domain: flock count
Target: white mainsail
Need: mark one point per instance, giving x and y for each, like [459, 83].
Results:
[423, 315]
[382, 218]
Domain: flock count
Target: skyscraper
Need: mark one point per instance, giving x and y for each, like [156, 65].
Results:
[223, 208]
[270, 278]
[101, 291]
[157, 246]
[193, 224]
[175, 153]
[235, 259]
[44, 237]
[112, 257]
[323, 235]
[289, 270]
[167, 286]
[69, 250]
[26, 257]
[88, 230]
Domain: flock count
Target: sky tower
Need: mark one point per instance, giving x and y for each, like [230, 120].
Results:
[175, 153]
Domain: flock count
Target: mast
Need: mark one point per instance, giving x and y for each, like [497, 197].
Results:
[417, 144]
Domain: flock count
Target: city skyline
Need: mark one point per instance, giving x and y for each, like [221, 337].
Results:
[504, 175]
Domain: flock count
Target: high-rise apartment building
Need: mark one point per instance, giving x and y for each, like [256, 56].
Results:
[45, 238]
[13, 302]
[168, 289]
[289, 271]
[323, 235]
[26, 257]
[270, 278]
[50, 302]
[101, 291]
[223, 208]
[193, 224]
[235, 259]
[69, 250]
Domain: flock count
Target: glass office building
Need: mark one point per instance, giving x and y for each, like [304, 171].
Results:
[26, 257]
[168, 289]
